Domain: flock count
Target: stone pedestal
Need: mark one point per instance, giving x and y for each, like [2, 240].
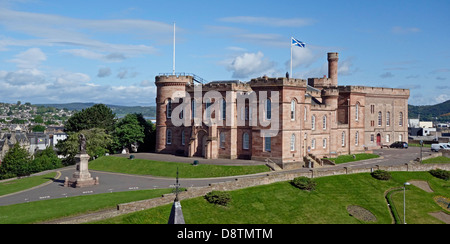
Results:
[81, 177]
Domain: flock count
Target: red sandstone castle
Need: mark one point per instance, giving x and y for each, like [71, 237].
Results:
[312, 118]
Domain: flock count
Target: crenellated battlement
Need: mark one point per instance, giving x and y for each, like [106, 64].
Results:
[375, 90]
[280, 81]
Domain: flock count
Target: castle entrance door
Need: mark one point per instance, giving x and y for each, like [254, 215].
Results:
[378, 139]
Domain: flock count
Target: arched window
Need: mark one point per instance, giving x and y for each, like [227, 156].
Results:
[357, 138]
[343, 139]
[169, 137]
[224, 109]
[388, 118]
[169, 108]
[268, 109]
[293, 109]
[380, 119]
[400, 121]
[313, 122]
[193, 108]
[245, 141]
[293, 142]
[207, 108]
[324, 122]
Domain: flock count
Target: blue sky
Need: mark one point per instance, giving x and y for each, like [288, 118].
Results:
[58, 51]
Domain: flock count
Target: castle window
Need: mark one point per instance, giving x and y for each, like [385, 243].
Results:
[182, 137]
[313, 143]
[379, 118]
[400, 121]
[268, 109]
[293, 109]
[313, 122]
[222, 139]
[193, 108]
[388, 118]
[357, 111]
[245, 141]
[324, 122]
[324, 141]
[224, 109]
[343, 139]
[169, 108]
[305, 116]
[169, 137]
[388, 138]
[357, 138]
[293, 142]
[267, 146]
[208, 109]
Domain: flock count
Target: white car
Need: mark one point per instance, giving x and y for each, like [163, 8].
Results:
[437, 147]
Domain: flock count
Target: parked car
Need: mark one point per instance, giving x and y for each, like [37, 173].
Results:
[439, 146]
[399, 144]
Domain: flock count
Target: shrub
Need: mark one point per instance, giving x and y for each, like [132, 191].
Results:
[440, 173]
[304, 183]
[218, 197]
[381, 175]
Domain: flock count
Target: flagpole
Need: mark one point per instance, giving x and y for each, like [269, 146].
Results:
[173, 68]
[290, 74]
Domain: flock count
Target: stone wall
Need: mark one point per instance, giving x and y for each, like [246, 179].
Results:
[270, 178]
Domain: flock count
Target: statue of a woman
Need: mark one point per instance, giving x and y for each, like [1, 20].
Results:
[82, 144]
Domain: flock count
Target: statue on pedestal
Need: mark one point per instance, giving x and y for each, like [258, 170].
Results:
[81, 177]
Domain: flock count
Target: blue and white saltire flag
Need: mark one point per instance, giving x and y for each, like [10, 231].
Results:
[297, 43]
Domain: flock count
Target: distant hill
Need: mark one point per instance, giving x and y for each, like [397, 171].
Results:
[440, 111]
[147, 111]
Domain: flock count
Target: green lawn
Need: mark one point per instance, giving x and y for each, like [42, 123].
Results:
[282, 203]
[39, 211]
[437, 160]
[12, 186]
[349, 158]
[169, 169]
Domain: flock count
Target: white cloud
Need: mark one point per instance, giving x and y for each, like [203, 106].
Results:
[442, 98]
[29, 59]
[250, 64]
[65, 31]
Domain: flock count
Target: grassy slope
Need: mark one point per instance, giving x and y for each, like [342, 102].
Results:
[169, 169]
[283, 203]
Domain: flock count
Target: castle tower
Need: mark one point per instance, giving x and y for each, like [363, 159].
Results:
[333, 68]
[166, 86]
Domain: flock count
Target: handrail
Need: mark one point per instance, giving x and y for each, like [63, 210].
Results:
[194, 76]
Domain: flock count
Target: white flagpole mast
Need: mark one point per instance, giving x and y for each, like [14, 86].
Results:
[173, 70]
[290, 74]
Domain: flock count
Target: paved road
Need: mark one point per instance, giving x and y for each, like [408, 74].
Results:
[115, 182]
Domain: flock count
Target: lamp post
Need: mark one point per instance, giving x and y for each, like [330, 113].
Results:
[404, 202]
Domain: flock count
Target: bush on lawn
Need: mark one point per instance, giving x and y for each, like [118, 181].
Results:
[440, 173]
[304, 183]
[218, 197]
[381, 175]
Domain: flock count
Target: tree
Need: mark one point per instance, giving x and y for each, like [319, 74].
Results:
[128, 131]
[97, 116]
[45, 160]
[98, 143]
[15, 163]
[38, 128]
